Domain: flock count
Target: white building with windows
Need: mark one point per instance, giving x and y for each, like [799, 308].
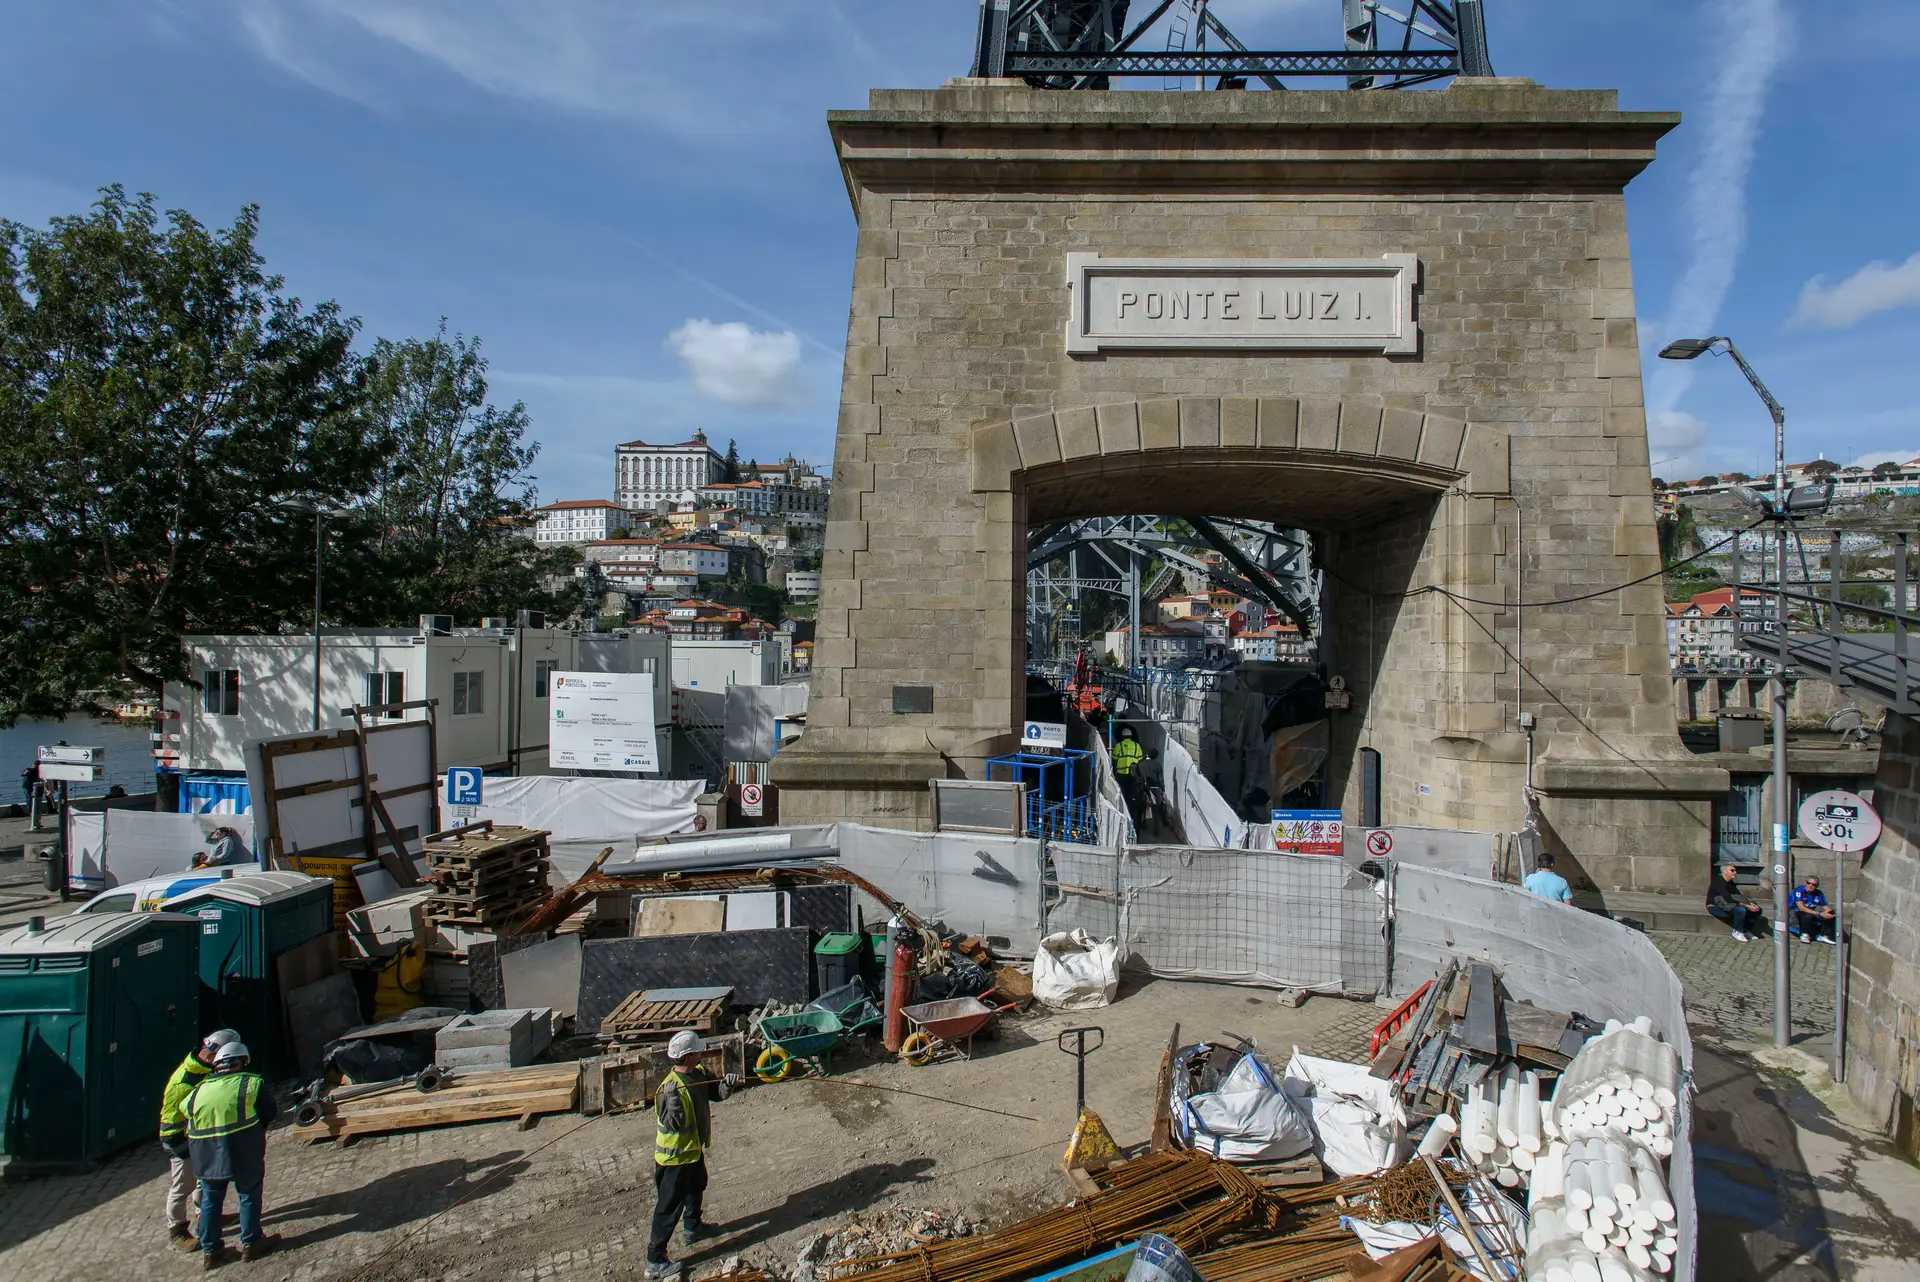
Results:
[803, 584]
[702, 560]
[581, 521]
[491, 685]
[645, 476]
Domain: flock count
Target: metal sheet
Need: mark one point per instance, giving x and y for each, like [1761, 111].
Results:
[547, 974]
[759, 965]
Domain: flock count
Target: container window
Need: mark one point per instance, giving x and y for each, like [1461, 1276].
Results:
[220, 691]
[542, 673]
[469, 693]
[386, 687]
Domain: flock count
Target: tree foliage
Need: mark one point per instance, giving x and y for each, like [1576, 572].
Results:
[160, 395]
[730, 465]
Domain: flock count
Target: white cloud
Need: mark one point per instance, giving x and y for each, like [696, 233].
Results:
[1755, 37]
[1877, 287]
[735, 365]
[1877, 457]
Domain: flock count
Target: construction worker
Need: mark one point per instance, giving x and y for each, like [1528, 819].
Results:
[227, 1118]
[683, 1131]
[1127, 756]
[173, 1132]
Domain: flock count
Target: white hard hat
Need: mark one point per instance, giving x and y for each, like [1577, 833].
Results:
[219, 1037]
[231, 1053]
[685, 1042]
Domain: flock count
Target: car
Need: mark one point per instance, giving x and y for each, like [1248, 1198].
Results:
[153, 894]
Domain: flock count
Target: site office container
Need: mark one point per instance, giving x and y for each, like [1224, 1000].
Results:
[95, 1014]
[246, 925]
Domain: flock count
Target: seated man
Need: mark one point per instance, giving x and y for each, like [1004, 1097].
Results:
[1812, 915]
[1730, 904]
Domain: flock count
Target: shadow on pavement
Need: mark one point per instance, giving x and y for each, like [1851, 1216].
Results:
[394, 1200]
[855, 1190]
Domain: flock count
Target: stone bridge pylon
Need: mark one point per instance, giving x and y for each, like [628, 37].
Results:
[1403, 321]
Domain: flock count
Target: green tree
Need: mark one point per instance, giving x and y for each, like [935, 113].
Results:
[1886, 469]
[1821, 467]
[730, 466]
[452, 490]
[158, 394]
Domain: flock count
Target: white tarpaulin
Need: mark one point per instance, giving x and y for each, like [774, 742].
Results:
[602, 721]
[1247, 1119]
[1358, 1124]
[1204, 815]
[589, 809]
[114, 847]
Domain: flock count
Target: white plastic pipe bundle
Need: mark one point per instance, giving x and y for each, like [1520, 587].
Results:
[1501, 1126]
[1625, 1083]
[1596, 1214]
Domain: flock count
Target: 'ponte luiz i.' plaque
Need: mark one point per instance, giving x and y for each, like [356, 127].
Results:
[1272, 303]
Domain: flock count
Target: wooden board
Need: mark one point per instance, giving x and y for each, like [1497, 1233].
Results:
[476, 1097]
[679, 917]
[1482, 1011]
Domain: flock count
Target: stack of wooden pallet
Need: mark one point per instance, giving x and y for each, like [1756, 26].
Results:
[654, 1015]
[524, 1093]
[487, 879]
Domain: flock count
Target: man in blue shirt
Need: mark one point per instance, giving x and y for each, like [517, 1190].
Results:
[1812, 915]
[1548, 884]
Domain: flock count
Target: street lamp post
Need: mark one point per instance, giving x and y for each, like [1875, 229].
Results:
[320, 515]
[1686, 349]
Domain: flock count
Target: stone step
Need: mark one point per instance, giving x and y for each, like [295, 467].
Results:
[1676, 913]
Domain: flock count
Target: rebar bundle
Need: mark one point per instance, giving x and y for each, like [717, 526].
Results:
[1188, 1197]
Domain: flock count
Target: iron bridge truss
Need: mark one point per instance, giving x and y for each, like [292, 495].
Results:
[1084, 44]
[1262, 563]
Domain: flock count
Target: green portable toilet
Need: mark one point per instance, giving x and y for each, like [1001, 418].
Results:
[96, 1011]
[247, 923]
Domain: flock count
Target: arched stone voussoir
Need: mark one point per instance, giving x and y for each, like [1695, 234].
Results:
[1351, 429]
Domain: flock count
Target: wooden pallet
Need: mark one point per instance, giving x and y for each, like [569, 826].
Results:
[637, 1019]
[525, 1093]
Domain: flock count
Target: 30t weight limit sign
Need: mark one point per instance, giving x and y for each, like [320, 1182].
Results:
[1839, 821]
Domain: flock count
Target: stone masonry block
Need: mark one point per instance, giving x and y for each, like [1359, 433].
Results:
[1484, 457]
[1628, 480]
[846, 536]
[1079, 433]
[1442, 439]
[995, 456]
[1199, 422]
[1625, 391]
[1119, 428]
[1400, 434]
[1039, 443]
[1279, 425]
[859, 417]
[1616, 362]
[848, 475]
[1238, 426]
[1359, 428]
[873, 302]
[865, 362]
[876, 242]
[1160, 425]
[1319, 425]
[1624, 422]
[1611, 303]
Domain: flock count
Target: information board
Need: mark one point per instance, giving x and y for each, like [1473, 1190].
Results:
[602, 721]
[1307, 832]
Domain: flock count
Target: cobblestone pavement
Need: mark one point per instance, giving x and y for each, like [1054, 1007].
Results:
[1729, 985]
[571, 1198]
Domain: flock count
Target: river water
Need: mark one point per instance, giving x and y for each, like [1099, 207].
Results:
[129, 748]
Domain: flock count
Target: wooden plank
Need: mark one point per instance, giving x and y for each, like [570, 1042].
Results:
[316, 787]
[397, 862]
[1161, 1137]
[1525, 1024]
[1482, 1011]
[309, 743]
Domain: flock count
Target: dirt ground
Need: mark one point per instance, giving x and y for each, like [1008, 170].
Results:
[572, 1197]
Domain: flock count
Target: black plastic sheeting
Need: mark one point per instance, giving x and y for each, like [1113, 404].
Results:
[759, 965]
[824, 909]
[381, 1058]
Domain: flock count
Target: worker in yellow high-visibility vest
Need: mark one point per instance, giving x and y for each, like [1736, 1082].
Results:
[227, 1118]
[683, 1131]
[173, 1133]
[1128, 753]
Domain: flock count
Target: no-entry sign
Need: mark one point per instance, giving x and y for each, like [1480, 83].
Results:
[1379, 842]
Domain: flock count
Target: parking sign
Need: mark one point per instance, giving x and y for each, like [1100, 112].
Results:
[463, 785]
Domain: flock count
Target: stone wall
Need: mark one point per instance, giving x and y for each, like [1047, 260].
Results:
[1507, 455]
[1882, 917]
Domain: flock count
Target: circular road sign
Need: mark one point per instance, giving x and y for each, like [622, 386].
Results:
[1842, 821]
[750, 794]
[1379, 842]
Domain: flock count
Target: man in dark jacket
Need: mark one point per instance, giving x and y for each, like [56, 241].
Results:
[227, 1118]
[683, 1131]
[1730, 904]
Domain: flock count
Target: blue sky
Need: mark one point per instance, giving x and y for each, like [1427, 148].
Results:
[635, 203]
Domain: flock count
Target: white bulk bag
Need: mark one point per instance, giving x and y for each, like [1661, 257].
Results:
[1359, 1125]
[1247, 1120]
[1074, 971]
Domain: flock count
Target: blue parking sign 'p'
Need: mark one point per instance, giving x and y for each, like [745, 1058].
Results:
[463, 785]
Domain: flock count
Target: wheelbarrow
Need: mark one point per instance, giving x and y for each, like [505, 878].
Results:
[803, 1040]
[945, 1028]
